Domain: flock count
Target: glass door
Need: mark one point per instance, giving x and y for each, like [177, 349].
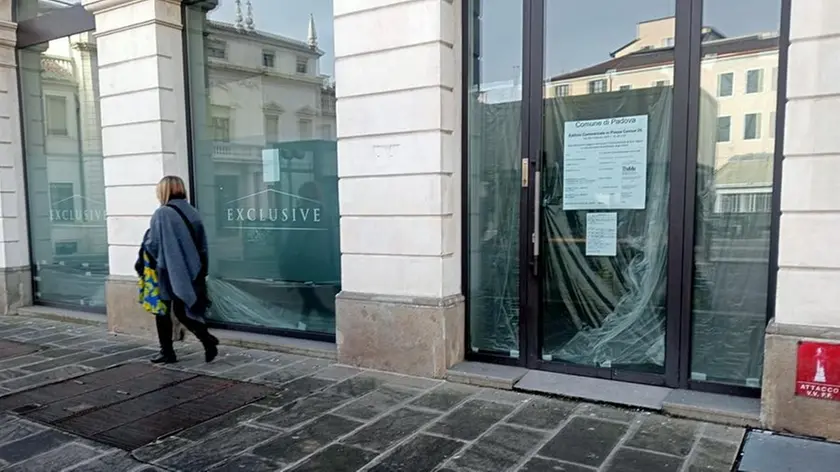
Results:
[601, 188]
[606, 143]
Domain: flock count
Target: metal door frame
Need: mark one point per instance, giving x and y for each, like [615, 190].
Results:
[681, 208]
[531, 264]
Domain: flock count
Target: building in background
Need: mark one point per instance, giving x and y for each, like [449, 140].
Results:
[399, 183]
[740, 73]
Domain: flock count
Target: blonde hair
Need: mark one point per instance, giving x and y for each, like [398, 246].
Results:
[169, 188]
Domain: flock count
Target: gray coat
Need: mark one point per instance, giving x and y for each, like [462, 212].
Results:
[170, 243]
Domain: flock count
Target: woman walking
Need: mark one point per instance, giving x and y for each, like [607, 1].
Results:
[176, 246]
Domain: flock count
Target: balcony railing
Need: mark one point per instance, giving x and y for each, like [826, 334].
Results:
[328, 104]
[234, 150]
[57, 67]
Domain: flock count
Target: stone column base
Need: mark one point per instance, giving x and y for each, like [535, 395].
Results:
[15, 289]
[126, 315]
[414, 336]
[781, 410]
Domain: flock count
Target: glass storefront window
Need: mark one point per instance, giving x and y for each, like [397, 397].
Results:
[64, 171]
[494, 143]
[740, 59]
[265, 160]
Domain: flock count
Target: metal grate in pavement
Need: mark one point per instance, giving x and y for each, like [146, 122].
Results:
[765, 451]
[173, 419]
[132, 405]
[36, 398]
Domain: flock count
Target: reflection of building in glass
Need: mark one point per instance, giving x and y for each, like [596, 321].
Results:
[499, 92]
[265, 88]
[65, 169]
[739, 73]
[265, 120]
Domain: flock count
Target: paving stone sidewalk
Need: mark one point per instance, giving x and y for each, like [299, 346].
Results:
[333, 418]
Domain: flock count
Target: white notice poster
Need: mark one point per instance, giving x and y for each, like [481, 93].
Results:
[601, 234]
[605, 163]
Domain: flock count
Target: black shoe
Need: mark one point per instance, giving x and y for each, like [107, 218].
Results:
[211, 350]
[164, 359]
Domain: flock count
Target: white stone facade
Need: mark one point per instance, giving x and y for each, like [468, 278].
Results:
[14, 243]
[399, 171]
[140, 69]
[809, 258]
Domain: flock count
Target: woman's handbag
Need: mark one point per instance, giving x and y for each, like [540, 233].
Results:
[148, 285]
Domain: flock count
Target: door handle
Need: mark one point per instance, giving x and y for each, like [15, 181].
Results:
[535, 236]
[525, 173]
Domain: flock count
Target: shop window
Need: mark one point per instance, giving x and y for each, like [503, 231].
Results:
[64, 171]
[598, 86]
[724, 128]
[493, 161]
[752, 126]
[732, 256]
[725, 84]
[268, 59]
[56, 115]
[755, 79]
[265, 185]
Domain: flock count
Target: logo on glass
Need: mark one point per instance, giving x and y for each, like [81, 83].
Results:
[77, 209]
[272, 209]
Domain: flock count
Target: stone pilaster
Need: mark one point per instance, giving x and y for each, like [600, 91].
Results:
[398, 111]
[808, 299]
[15, 275]
[144, 132]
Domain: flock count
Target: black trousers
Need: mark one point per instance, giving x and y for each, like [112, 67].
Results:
[164, 328]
